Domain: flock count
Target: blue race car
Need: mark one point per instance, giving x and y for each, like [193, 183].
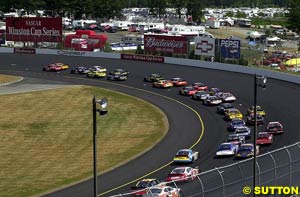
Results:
[246, 150]
[235, 123]
[227, 149]
[186, 156]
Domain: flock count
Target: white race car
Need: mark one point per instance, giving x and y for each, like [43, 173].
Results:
[183, 174]
[98, 68]
[227, 149]
[228, 97]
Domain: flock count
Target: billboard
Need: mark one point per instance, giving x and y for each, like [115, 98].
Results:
[165, 43]
[34, 29]
[205, 46]
[230, 48]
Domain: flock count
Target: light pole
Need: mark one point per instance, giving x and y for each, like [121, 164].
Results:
[263, 85]
[102, 111]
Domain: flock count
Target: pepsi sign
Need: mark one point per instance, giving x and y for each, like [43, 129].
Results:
[230, 48]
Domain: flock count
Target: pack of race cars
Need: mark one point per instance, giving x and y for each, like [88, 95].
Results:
[239, 124]
[118, 74]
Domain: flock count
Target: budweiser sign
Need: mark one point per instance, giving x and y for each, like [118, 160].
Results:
[147, 58]
[34, 29]
[164, 43]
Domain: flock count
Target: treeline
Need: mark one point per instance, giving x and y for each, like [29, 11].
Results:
[112, 8]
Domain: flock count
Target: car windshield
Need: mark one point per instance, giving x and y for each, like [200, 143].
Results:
[245, 147]
[201, 93]
[232, 137]
[183, 153]
[225, 147]
[155, 191]
[142, 184]
[263, 135]
[178, 171]
[227, 105]
[241, 130]
[189, 88]
[237, 121]
[274, 126]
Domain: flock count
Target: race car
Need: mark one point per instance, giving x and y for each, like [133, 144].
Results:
[235, 123]
[264, 138]
[224, 106]
[186, 156]
[235, 139]
[232, 114]
[227, 149]
[183, 174]
[164, 191]
[96, 74]
[228, 97]
[215, 92]
[243, 131]
[56, 67]
[200, 95]
[212, 100]
[119, 71]
[80, 70]
[250, 119]
[259, 110]
[153, 78]
[98, 68]
[141, 185]
[246, 151]
[162, 84]
[117, 77]
[177, 81]
[188, 91]
[274, 128]
[200, 86]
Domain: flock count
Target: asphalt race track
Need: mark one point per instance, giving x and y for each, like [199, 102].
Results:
[280, 101]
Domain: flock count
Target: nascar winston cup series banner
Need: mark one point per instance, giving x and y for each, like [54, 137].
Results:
[205, 46]
[164, 43]
[230, 48]
[34, 29]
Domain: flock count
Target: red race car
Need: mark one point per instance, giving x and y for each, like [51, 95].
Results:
[183, 174]
[177, 81]
[188, 91]
[274, 128]
[264, 138]
[55, 67]
[200, 86]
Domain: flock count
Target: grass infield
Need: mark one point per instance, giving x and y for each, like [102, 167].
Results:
[46, 136]
[8, 78]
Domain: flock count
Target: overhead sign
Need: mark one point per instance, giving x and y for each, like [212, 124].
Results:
[165, 43]
[205, 46]
[34, 29]
[230, 48]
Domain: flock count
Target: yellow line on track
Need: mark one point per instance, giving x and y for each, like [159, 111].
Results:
[154, 93]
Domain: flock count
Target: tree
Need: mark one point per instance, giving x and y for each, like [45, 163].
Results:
[293, 21]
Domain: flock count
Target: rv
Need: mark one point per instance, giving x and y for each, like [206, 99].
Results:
[244, 22]
[187, 30]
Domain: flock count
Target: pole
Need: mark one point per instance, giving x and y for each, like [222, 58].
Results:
[255, 131]
[95, 145]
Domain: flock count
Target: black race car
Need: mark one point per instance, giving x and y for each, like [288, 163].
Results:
[223, 106]
[80, 70]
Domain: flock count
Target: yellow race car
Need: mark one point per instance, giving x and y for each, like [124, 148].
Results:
[259, 110]
[96, 74]
[62, 65]
[232, 114]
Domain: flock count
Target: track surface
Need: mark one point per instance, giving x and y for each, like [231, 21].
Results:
[280, 101]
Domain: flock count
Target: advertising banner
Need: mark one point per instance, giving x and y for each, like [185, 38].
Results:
[147, 58]
[165, 43]
[205, 46]
[230, 48]
[34, 29]
[24, 50]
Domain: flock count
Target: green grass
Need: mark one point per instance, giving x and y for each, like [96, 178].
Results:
[46, 136]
